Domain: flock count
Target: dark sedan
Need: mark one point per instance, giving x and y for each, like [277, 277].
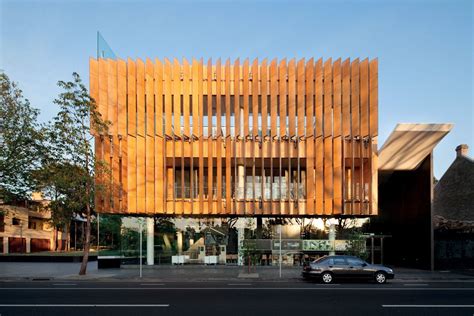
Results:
[329, 268]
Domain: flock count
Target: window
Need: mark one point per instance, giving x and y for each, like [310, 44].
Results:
[16, 221]
[2, 223]
[355, 262]
[31, 224]
[339, 261]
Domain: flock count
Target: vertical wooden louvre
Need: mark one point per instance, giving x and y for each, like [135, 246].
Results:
[301, 135]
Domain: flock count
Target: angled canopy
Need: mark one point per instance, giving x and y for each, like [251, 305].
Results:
[409, 144]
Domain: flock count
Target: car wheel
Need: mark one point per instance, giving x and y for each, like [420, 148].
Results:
[327, 277]
[380, 277]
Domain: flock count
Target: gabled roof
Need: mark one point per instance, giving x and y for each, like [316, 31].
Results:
[409, 144]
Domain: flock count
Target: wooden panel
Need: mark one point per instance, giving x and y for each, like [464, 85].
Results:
[122, 131]
[141, 177]
[238, 131]
[255, 88]
[319, 148]
[364, 97]
[245, 92]
[319, 97]
[159, 143]
[102, 100]
[94, 87]
[282, 91]
[373, 97]
[228, 170]
[292, 97]
[150, 138]
[201, 137]
[112, 115]
[264, 93]
[186, 142]
[310, 180]
[169, 136]
[132, 173]
[337, 157]
[131, 98]
[346, 98]
[273, 98]
[140, 98]
[219, 136]
[355, 120]
[168, 101]
[177, 133]
[209, 140]
[301, 97]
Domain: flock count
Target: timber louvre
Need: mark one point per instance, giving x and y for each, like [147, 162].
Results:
[295, 138]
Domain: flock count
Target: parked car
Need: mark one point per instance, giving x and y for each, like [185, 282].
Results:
[328, 268]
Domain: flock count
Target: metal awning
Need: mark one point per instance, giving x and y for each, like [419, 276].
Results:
[409, 144]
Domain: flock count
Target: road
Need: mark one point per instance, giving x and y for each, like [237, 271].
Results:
[235, 298]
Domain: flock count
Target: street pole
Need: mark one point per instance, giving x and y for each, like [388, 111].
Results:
[98, 235]
[140, 258]
[280, 251]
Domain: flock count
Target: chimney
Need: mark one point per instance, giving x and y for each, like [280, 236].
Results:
[461, 150]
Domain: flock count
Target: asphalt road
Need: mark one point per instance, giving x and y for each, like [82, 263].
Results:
[235, 298]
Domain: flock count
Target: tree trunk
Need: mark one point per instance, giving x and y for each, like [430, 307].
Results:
[85, 257]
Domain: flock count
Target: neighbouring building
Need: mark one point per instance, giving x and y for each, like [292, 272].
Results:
[26, 228]
[453, 207]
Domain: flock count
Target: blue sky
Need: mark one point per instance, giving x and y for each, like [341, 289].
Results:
[424, 47]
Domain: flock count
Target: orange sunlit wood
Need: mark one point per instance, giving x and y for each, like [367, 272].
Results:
[296, 138]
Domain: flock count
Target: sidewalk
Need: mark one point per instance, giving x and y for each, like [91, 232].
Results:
[192, 273]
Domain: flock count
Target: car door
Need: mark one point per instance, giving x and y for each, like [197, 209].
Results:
[356, 268]
[340, 267]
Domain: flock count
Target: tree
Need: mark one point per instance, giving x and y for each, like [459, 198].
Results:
[69, 166]
[20, 142]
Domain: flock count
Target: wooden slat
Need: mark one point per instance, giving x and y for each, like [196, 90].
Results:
[264, 141]
[273, 98]
[238, 131]
[132, 173]
[301, 97]
[346, 98]
[131, 97]
[373, 118]
[94, 87]
[167, 83]
[337, 157]
[292, 97]
[159, 143]
[328, 116]
[201, 137]
[186, 142]
[364, 97]
[245, 93]
[318, 146]
[219, 136]
[355, 120]
[283, 92]
[177, 132]
[122, 131]
[150, 138]
[310, 180]
[102, 104]
[140, 98]
[255, 127]
[113, 130]
[210, 167]
[228, 151]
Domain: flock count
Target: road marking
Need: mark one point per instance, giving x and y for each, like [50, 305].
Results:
[415, 284]
[152, 284]
[428, 306]
[231, 284]
[240, 288]
[64, 284]
[84, 305]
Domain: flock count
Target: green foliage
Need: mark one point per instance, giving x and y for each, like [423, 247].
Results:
[20, 142]
[356, 244]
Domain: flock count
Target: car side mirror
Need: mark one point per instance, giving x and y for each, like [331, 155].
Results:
[364, 264]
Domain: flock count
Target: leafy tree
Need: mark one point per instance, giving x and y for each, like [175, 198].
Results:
[20, 142]
[69, 166]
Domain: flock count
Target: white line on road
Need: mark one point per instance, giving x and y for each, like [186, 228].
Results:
[428, 306]
[324, 288]
[84, 305]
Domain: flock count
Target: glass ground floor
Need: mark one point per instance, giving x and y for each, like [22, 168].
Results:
[230, 241]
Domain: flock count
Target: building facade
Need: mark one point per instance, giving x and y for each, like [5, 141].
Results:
[279, 138]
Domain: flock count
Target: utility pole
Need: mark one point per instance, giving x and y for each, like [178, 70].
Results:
[280, 250]
[140, 232]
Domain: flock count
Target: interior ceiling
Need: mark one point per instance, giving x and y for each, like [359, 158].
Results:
[409, 144]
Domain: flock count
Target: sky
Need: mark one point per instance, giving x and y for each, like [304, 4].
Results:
[424, 47]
